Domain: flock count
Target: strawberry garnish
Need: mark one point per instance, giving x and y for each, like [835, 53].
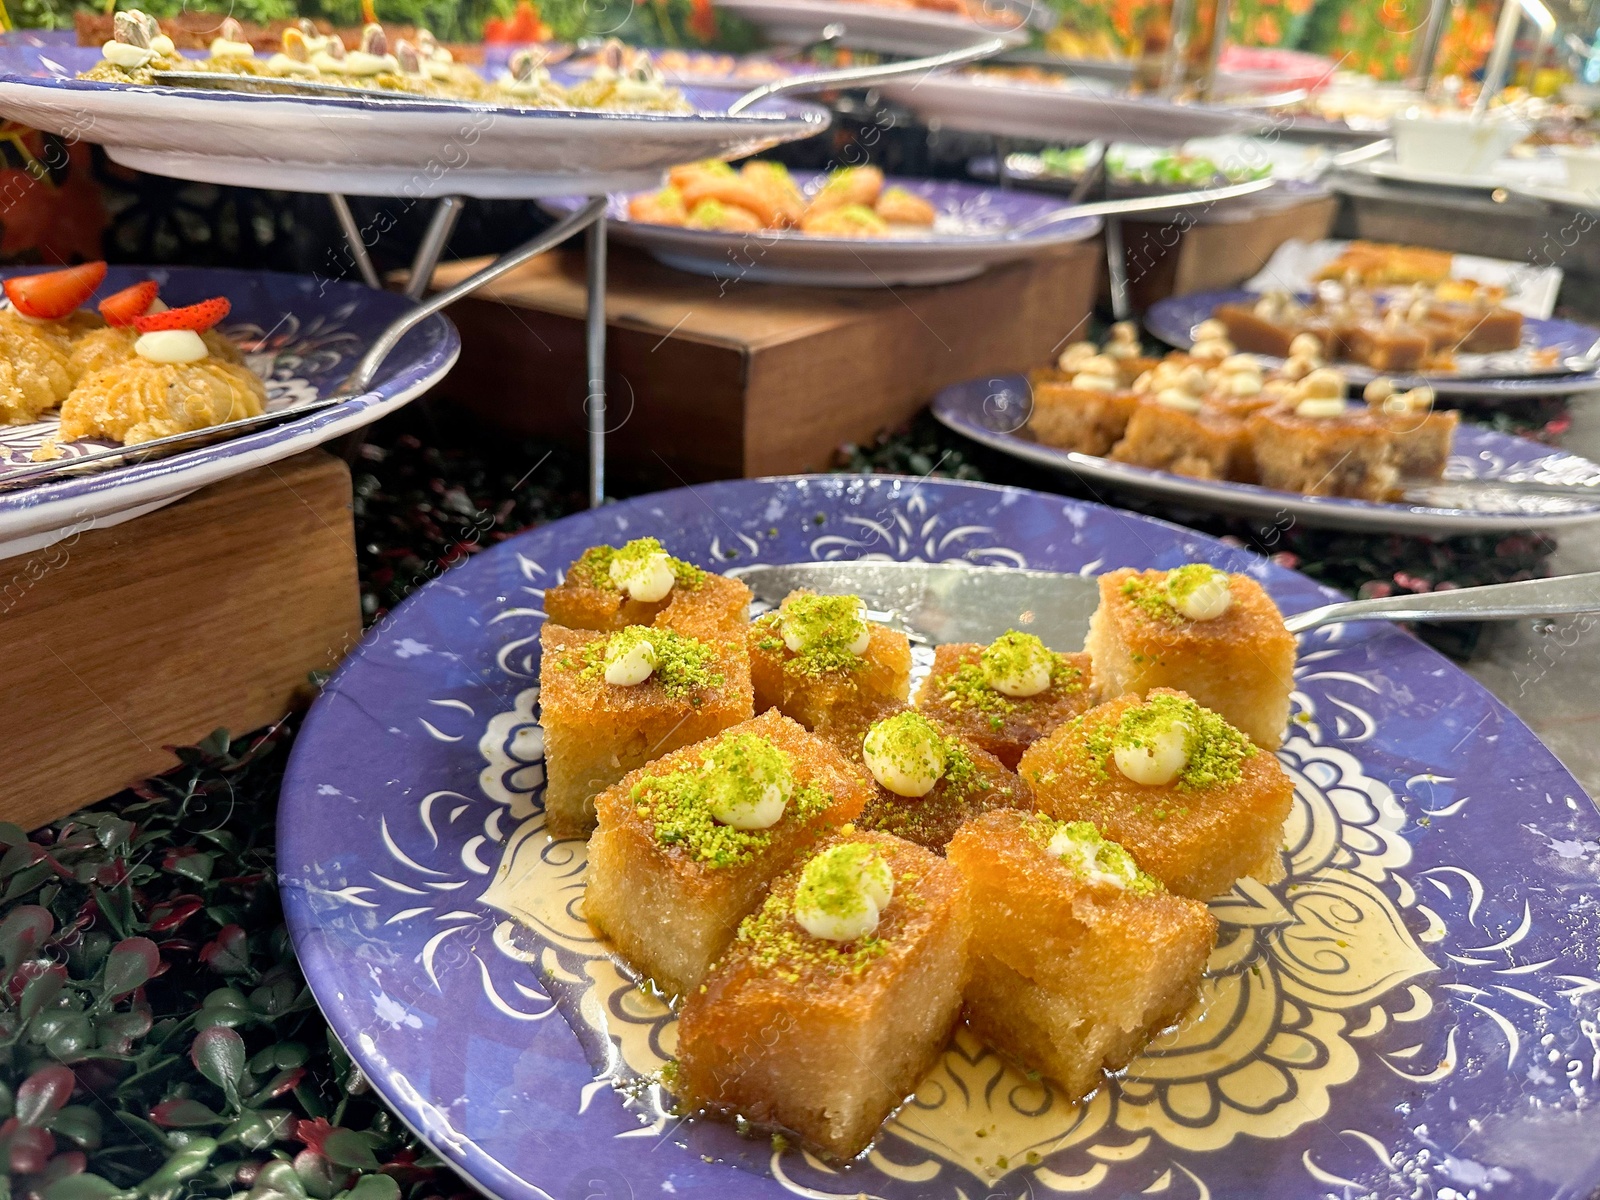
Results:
[53, 295]
[198, 317]
[130, 302]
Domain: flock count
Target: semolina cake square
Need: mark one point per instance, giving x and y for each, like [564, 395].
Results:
[1189, 796]
[1082, 956]
[819, 654]
[1084, 420]
[1422, 441]
[596, 731]
[670, 878]
[942, 780]
[1200, 445]
[1181, 629]
[822, 1036]
[1350, 455]
[960, 694]
[598, 591]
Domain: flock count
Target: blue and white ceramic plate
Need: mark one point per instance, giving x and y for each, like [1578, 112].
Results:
[384, 146]
[973, 231]
[886, 28]
[995, 412]
[1513, 374]
[1412, 1012]
[302, 335]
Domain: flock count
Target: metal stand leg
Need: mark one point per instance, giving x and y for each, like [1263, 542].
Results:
[1117, 270]
[595, 345]
[352, 235]
[432, 245]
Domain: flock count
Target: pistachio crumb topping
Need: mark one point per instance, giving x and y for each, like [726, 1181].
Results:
[1089, 854]
[969, 686]
[779, 943]
[1199, 591]
[593, 569]
[683, 665]
[842, 891]
[1215, 749]
[826, 634]
[681, 804]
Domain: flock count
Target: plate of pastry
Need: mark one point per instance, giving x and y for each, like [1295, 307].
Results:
[913, 28]
[850, 227]
[1458, 336]
[377, 120]
[98, 357]
[1228, 432]
[612, 890]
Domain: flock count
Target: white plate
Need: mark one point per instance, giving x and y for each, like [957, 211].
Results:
[385, 146]
[881, 27]
[969, 237]
[1570, 197]
[981, 104]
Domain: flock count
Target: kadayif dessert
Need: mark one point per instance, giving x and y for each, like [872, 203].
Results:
[926, 780]
[836, 996]
[819, 655]
[38, 328]
[1081, 956]
[1004, 696]
[639, 583]
[686, 846]
[611, 702]
[1216, 636]
[1196, 803]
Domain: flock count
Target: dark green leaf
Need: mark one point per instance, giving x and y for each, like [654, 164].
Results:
[348, 1148]
[11, 835]
[43, 1093]
[130, 965]
[40, 992]
[81, 1187]
[195, 866]
[280, 1176]
[218, 1054]
[183, 1113]
[23, 931]
[79, 1124]
[259, 1129]
[374, 1187]
[114, 831]
[71, 1037]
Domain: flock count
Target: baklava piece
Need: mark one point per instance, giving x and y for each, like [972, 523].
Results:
[1195, 802]
[611, 702]
[1320, 446]
[819, 655]
[925, 780]
[1087, 414]
[1216, 636]
[835, 998]
[610, 588]
[686, 846]
[1083, 956]
[1005, 696]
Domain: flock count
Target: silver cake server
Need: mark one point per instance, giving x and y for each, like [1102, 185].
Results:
[951, 602]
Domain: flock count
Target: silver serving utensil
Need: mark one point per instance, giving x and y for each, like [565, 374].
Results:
[951, 602]
[1137, 204]
[275, 85]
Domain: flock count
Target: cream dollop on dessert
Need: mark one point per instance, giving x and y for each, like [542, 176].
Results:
[630, 657]
[843, 892]
[230, 41]
[373, 58]
[436, 61]
[1080, 847]
[1017, 665]
[643, 570]
[1156, 755]
[1098, 373]
[1124, 341]
[1199, 592]
[331, 58]
[174, 346]
[526, 75]
[748, 782]
[136, 41]
[906, 754]
[810, 624]
[295, 57]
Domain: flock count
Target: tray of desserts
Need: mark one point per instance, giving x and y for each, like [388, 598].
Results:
[98, 357]
[1458, 338]
[851, 227]
[832, 903]
[909, 27]
[379, 120]
[1226, 433]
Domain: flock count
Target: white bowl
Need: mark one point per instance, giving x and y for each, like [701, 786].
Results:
[1455, 145]
[1583, 167]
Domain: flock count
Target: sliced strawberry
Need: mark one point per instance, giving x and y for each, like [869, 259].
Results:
[53, 295]
[198, 317]
[130, 302]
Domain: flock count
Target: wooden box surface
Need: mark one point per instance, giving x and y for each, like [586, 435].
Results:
[121, 642]
[710, 379]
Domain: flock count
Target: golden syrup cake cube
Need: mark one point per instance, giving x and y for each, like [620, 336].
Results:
[597, 730]
[676, 862]
[818, 1034]
[1217, 636]
[1083, 956]
[611, 587]
[961, 693]
[1196, 803]
[818, 655]
[925, 779]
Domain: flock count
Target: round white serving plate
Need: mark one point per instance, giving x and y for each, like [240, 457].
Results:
[880, 27]
[977, 220]
[386, 145]
[985, 105]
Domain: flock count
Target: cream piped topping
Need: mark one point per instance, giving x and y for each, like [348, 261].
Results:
[1199, 592]
[1091, 857]
[1157, 758]
[643, 570]
[171, 346]
[226, 48]
[129, 58]
[361, 64]
[630, 657]
[1179, 399]
[281, 64]
[808, 623]
[843, 892]
[748, 782]
[1017, 664]
[1320, 408]
[905, 753]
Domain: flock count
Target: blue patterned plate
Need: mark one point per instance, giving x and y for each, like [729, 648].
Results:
[302, 335]
[1513, 374]
[388, 145]
[1413, 1012]
[995, 412]
[971, 233]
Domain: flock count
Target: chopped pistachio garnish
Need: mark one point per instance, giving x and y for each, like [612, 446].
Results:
[748, 781]
[1199, 591]
[968, 686]
[842, 891]
[593, 569]
[683, 665]
[906, 753]
[825, 634]
[1017, 664]
[1215, 748]
[1089, 854]
[1150, 596]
